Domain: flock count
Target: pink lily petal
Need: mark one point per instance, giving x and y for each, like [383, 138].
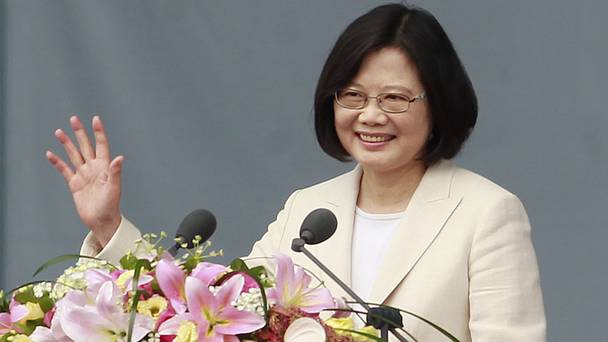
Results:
[5, 322]
[240, 322]
[317, 300]
[170, 326]
[106, 301]
[230, 290]
[284, 275]
[42, 334]
[18, 312]
[74, 298]
[143, 325]
[292, 290]
[339, 303]
[95, 278]
[199, 297]
[143, 280]
[207, 272]
[81, 325]
[301, 278]
[171, 281]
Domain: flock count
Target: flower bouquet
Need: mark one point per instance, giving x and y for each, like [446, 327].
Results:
[152, 296]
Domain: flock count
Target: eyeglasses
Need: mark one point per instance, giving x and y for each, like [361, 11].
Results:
[393, 103]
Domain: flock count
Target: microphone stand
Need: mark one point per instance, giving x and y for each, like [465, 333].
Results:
[298, 245]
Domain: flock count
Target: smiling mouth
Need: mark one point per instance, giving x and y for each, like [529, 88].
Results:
[375, 138]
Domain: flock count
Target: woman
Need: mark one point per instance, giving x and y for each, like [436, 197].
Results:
[414, 230]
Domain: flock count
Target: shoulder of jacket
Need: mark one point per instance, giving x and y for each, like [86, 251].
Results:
[470, 184]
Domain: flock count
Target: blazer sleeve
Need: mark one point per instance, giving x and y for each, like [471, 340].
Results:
[271, 241]
[505, 297]
[122, 241]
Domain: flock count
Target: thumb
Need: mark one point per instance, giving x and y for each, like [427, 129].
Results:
[115, 169]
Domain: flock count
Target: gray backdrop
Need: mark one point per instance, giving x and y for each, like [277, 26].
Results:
[210, 102]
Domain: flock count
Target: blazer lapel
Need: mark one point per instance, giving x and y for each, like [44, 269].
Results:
[427, 212]
[336, 251]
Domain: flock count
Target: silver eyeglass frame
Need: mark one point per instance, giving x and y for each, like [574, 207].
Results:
[377, 97]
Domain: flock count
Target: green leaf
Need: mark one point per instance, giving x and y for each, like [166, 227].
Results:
[239, 265]
[46, 303]
[138, 267]
[26, 296]
[63, 258]
[128, 262]
[438, 328]
[4, 303]
[30, 326]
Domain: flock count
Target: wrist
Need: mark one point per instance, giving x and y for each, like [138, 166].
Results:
[105, 230]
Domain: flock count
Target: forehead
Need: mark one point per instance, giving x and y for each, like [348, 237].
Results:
[387, 68]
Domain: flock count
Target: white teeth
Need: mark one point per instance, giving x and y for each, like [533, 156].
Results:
[370, 138]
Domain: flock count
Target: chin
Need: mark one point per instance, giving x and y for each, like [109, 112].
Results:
[383, 165]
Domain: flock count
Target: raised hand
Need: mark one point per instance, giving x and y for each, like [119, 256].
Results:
[93, 178]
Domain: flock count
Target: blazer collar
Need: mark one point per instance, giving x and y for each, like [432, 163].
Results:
[429, 208]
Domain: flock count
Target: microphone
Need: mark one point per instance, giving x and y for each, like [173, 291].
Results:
[318, 226]
[384, 318]
[199, 222]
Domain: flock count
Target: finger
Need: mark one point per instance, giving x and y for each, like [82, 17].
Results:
[116, 166]
[60, 165]
[71, 150]
[113, 176]
[83, 140]
[102, 148]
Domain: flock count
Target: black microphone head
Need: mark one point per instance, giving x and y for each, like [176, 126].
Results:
[199, 222]
[318, 226]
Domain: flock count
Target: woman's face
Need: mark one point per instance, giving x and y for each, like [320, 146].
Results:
[381, 141]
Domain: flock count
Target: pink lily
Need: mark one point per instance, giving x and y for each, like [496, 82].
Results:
[292, 291]
[208, 272]
[104, 321]
[216, 319]
[16, 313]
[171, 280]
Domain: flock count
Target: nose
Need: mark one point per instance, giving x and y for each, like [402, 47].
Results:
[372, 115]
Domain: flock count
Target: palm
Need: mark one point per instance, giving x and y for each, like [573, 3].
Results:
[93, 178]
[91, 196]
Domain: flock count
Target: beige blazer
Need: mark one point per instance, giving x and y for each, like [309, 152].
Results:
[462, 257]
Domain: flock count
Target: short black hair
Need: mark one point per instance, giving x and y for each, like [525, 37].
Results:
[451, 97]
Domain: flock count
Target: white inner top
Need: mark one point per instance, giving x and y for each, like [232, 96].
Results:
[371, 236]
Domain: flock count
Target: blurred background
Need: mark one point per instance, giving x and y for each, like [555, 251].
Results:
[211, 103]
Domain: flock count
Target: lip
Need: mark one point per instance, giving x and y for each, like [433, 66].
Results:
[376, 144]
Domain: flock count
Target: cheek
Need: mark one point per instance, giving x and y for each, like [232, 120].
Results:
[343, 123]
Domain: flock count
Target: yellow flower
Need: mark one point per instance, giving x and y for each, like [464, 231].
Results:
[347, 323]
[20, 338]
[152, 307]
[124, 278]
[366, 330]
[341, 323]
[34, 312]
[187, 332]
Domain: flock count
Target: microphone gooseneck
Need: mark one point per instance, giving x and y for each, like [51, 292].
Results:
[318, 226]
[199, 222]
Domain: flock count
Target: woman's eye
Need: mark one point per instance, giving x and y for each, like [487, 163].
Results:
[353, 94]
[395, 98]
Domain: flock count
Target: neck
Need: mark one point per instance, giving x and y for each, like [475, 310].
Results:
[384, 192]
